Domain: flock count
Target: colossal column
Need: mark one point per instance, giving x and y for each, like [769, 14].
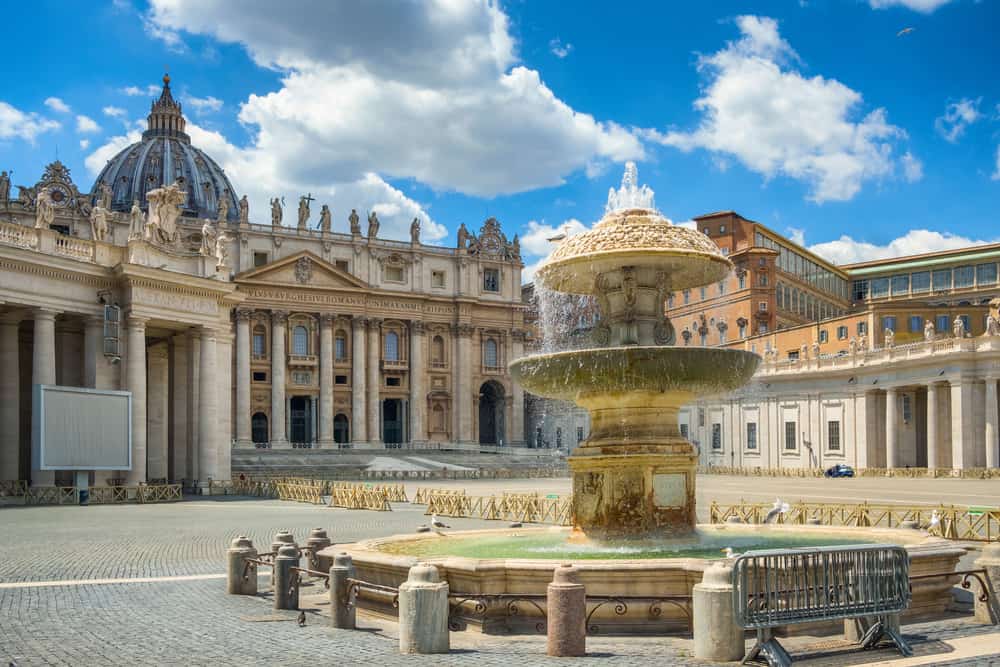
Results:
[157, 411]
[374, 380]
[179, 391]
[43, 371]
[135, 375]
[326, 380]
[516, 433]
[93, 349]
[932, 425]
[224, 407]
[278, 437]
[991, 422]
[463, 391]
[891, 428]
[10, 404]
[963, 428]
[193, 404]
[359, 423]
[418, 393]
[243, 378]
[207, 409]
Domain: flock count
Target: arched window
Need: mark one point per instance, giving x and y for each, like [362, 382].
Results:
[258, 428]
[300, 340]
[340, 345]
[438, 420]
[259, 341]
[490, 353]
[437, 350]
[391, 346]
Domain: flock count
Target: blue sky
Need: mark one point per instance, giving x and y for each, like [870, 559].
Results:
[813, 117]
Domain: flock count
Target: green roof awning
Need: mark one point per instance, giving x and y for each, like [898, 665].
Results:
[923, 263]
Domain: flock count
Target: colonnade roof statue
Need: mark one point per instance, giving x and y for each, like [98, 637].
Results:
[165, 156]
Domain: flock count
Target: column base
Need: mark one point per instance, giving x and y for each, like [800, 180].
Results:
[325, 444]
[280, 444]
[244, 444]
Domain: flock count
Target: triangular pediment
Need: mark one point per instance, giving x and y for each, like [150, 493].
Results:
[303, 269]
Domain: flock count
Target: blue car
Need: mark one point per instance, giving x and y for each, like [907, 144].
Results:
[839, 470]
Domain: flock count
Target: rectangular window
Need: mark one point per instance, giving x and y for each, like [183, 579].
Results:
[743, 331]
[964, 276]
[986, 274]
[259, 259]
[833, 436]
[907, 408]
[684, 431]
[790, 429]
[670, 301]
[704, 293]
[889, 322]
[901, 285]
[916, 324]
[340, 379]
[823, 336]
[966, 323]
[260, 376]
[342, 265]
[751, 435]
[879, 287]
[793, 355]
[687, 296]
[437, 278]
[259, 345]
[762, 280]
[722, 287]
[394, 274]
[762, 328]
[743, 280]
[941, 279]
[701, 416]
[716, 436]
[762, 306]
[340, 348]
[392, 381]
[579, 434]
[862, 328]
[842, 333]
[704, 340]
[942, 324]
[491, 280]
[860, 290]
[920, 282]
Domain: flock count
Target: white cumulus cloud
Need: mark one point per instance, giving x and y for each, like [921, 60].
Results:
[27, 125]
[137, 91]
[113, 112]
[758, 109]
[996, 174]
[436, 95]
[84, 144]
[922, 6]
[559, 48]
[913, 168]
[847, 250]
[86, 124]
[56, 104]
[958, 116]
[203, 105]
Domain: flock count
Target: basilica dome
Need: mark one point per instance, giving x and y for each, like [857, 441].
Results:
[165, 155]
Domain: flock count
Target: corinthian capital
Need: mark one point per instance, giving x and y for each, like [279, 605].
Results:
[279, 316]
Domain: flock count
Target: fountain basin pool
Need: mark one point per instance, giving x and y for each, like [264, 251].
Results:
[481, 569]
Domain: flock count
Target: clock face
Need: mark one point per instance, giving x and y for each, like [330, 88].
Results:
[59, 195]
[491, 244]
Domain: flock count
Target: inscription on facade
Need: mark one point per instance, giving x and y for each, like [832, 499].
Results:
[182, 302]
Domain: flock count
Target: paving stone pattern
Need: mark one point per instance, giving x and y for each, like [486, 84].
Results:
[193, 622]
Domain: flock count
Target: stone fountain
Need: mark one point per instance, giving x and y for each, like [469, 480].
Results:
[634, 534]
[635, 476]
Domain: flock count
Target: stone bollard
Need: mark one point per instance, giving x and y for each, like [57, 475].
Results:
[316, 542]
[239, 551]
[567, 614]
[717, 636]
[281, 538]
[343, 614]
[988, 611]
[423, 612]
[286, 589]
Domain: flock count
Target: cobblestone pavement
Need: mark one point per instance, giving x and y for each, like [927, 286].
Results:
[190, 621]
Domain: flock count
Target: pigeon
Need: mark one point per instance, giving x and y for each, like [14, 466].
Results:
[302, 619]
[437, 523]
[779, 507]
[729, 552]
[935, 520]
[423, 529]
[557, 238]
[516, 524]
[905, 31]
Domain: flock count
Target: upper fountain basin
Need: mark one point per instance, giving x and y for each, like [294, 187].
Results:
[694, 370]
[637, 237]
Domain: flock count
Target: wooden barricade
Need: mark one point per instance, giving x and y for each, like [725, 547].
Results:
[526, 508]
[978, 524]
[422, 496]
[303, 491]
[13, 487]
[159, 493]
[51, 495]
[357, 497]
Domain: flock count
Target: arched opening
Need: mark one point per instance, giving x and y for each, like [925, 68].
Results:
[491, 408]
[490, 353]
[300, 340]
[258, 428]
[259, 341]
[340, 345]
[341, 429]
[391, 346]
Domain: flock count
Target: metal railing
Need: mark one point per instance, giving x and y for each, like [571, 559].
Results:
[778, 587]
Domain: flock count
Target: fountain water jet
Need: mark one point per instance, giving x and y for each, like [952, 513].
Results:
[635, 476]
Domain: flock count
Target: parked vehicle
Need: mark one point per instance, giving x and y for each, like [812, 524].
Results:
[839, 470]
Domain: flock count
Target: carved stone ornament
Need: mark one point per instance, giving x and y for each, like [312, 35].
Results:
[243, 314]
[663, 333]
[279, 316]
[417, 327]
[303, 270]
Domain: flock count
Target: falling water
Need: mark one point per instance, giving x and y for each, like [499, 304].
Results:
[630, 194]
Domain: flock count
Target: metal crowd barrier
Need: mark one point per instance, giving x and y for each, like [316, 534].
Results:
[778, 587]
[920, 473]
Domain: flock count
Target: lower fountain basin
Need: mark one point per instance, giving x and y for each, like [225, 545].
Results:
[486, 589]
[691, 371]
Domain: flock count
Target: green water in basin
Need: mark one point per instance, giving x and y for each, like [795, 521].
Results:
[554, 545]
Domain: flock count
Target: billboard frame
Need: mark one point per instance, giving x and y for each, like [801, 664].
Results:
[38, 425]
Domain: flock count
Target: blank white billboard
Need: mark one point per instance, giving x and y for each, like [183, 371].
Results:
[82, 429]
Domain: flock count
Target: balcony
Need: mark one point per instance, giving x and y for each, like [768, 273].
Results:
[395, 365]
[302, 360]
[493, 370]
[439, 365]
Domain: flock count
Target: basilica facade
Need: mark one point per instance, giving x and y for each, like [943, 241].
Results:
[234, 334]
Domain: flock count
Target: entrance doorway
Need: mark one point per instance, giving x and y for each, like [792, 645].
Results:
[491, 408]
[258, 429]
[341, 429]
[393, 421]
[300, 420]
